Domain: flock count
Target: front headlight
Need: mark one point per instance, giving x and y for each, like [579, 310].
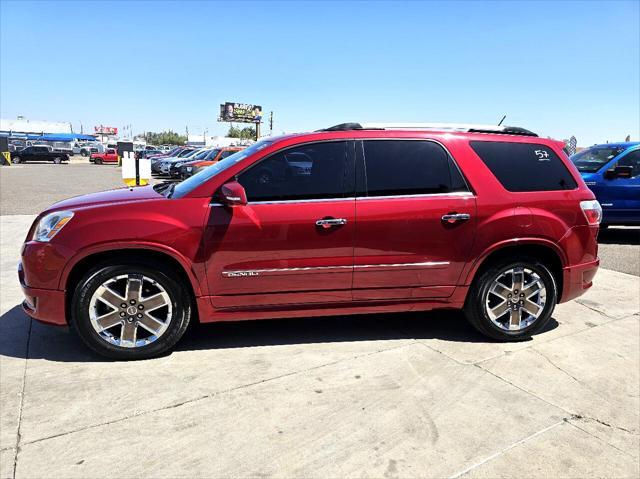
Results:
[51, 224]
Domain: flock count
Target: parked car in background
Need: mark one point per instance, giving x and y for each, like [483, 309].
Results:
[39, 153]
[171, 153]
[16, 145]
[190, 168]
[165, 164]
[158, 164]
[174, 166]
[85, 149]
[612, 172]
[110, 155]
[490, 220]
[147, 153]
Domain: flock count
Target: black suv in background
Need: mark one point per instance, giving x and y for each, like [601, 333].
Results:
[38, 153]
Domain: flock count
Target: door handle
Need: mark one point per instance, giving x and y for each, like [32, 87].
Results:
[455, 217]
[329, 222]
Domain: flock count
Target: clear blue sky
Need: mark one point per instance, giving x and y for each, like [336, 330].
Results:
[558, 68]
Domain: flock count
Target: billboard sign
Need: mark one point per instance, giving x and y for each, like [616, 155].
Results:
[105, 130]
[240, 112]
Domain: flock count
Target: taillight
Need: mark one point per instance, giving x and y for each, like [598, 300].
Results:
[593, 211]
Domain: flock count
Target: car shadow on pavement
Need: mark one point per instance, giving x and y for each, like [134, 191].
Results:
[629, 236]
[22, 338]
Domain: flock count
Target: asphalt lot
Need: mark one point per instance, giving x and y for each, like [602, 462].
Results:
[28, 189]
[387, 395]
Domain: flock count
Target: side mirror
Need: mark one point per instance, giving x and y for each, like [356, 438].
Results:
[623, 171]
[233, 194]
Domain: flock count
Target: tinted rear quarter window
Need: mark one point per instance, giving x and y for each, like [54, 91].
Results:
[523, 167]
[409, 167]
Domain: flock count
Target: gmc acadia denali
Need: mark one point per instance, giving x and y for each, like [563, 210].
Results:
[494, 221]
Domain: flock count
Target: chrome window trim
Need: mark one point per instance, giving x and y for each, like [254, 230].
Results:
[316, 200]
[257, 272]
[465, 194]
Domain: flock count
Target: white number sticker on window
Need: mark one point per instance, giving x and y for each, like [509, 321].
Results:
[543, 155]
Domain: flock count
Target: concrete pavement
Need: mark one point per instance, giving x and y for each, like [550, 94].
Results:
[413, 395]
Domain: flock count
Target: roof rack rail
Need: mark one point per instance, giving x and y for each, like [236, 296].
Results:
[458, 127]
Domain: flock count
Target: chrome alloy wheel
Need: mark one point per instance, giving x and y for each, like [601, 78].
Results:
[130, 310]
[515, 299]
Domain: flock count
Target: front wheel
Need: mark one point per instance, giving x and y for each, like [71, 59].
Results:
[512, 300]
[97, 161]
[57, 160]
[130, 311]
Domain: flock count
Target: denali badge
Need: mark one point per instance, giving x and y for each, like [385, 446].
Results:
[234, 274]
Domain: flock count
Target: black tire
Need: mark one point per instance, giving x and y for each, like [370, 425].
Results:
[84, 153]
[181, 304]
[16, 159]
[57, 160]
[97, 161]
[475, 306]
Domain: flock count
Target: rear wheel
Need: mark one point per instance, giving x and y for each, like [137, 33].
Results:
[130, 311]
[57, 160]
[97, 161]
[511, 300]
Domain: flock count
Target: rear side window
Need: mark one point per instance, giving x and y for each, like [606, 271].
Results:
[409, 167]
[524, 166]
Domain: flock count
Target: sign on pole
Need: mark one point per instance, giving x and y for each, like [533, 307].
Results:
[105, 130]
[240, 112]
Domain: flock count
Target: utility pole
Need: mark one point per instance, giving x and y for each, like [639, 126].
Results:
[271, 123]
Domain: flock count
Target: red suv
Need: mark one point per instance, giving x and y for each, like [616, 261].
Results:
[352, 219]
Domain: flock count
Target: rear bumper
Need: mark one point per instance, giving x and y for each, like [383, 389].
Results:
[44, 305]
[577, 279]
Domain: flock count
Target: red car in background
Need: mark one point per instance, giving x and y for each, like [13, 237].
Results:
[353, 219]
[110, 155]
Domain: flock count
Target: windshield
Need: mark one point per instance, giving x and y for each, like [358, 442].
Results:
[594, 158]
[185, 153]
[203, 176]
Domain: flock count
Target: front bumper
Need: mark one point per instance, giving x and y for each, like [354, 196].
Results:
[577, 279]
[44, 305]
